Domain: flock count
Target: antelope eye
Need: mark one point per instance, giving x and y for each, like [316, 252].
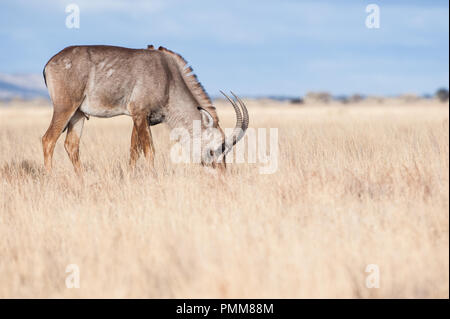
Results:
[211, 152]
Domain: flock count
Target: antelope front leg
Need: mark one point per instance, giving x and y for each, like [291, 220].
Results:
[135, 148]
[145, 138]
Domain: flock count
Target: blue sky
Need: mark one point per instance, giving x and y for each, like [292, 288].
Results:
[251, 47]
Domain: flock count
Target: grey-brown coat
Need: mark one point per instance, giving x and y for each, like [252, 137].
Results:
[151, 86]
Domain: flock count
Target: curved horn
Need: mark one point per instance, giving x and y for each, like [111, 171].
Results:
[240, 127]
[209, 122]
[244, 112]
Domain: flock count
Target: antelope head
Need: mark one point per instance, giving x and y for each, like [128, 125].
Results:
[215, 151]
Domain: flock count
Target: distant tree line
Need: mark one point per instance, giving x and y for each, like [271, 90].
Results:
[442, 95]
[325, 97]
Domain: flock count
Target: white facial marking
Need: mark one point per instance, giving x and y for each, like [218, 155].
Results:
[110, 72]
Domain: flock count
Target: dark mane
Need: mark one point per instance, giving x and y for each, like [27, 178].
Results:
[192, 82]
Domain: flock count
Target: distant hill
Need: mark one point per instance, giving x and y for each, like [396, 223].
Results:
[22, 86]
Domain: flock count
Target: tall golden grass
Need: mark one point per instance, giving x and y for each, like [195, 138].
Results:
[355, 186]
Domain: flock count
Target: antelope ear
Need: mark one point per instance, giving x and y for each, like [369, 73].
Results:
[207, 118]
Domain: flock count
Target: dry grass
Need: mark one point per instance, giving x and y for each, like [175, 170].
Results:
[355, 186]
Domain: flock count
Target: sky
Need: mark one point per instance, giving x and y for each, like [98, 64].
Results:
[255, 48]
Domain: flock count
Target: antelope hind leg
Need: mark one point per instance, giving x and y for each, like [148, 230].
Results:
[72, 142]
[58, 123]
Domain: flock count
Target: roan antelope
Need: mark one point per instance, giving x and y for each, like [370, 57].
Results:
[152, 86]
